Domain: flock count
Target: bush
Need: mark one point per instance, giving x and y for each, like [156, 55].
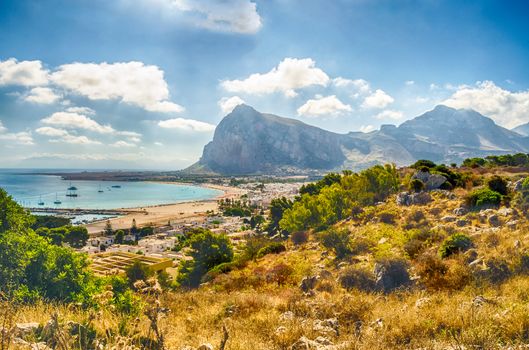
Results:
[456, 243]
[138, 271]
[483, 197]
[423, 163]
[498, 184]
[272, 248]
[387, 217]
[391, 274]
[355, 278]
[299, 237]
[416, 185]
[279, 274]
[338, 241]
[437, 274]
[413, 247]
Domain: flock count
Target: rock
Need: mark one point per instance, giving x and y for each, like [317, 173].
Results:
[342, 265]
[40, 346]
[431, 181]
[505, 211]
[378, 323]
[329, 325]
[422, 302]
[23, 330]
[517, 186]
[462, 223]
[206, 346]
[448, 218]
[460, 211]
[421, 198]
[323, 341]
[287, 316]
[403, 199]
[475, 263]
[308, 283]
[512, 225]
[517, 244]
[494, 220]
[281, 330]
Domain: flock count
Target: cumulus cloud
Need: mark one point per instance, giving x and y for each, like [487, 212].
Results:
[21, 138]
[77, 121]
[186, 125]
[129, 82]
[378, 99]
[81, 110]
[324, 106]
[505, 107]
[237, 16]
[360, 85]
[122, 144]
[390, 114]
[42, 95]
[227, 104]
[25, 73]
[61, 135]
[291, 74]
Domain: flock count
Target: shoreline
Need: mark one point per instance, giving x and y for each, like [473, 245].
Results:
[162, 214]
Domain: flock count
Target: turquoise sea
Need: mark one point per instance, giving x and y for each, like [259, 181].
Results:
[29, 189]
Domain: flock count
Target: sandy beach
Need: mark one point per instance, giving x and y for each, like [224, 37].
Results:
[162, 214]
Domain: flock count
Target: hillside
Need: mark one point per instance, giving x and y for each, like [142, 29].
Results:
[249, 142]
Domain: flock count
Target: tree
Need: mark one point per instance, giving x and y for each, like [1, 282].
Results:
[108, 229]
[118, 238]
[138, 271]
[207, 250]
[77, 236]
[134, 228]
[277, 208]
[13, 216]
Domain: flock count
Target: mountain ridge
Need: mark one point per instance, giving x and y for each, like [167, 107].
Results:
[249, 142]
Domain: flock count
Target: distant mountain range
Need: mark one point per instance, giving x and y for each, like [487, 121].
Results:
[249, 142]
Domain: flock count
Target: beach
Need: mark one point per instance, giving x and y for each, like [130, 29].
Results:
[184, 212]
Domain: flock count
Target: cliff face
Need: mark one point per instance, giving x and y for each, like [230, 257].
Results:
[249, 142]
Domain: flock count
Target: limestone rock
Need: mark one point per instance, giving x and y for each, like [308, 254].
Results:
[206, 346]
[494, 220]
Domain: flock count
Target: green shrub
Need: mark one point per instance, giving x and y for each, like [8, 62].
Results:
[498, 184]
[299, 237]
[423, 163]
[483, 197]
[456, 243]
[338, 241]
[413, 247]
[416, 185]
[387, 217]
[272, 248]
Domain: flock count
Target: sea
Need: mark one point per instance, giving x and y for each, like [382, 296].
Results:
[31, 189]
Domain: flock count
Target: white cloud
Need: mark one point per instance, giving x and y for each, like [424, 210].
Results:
[22, 138]
[378, 99]
[121, 144]
[367, 128]
[186, 124]
[128, 82]
[25, 73]
[409, 82]
[390, 114]
[50, 131]
[291, 74]
[359, 84]
[77, 121]
[505, 107]
[237, 16]
[227, 104]
[158, 144]
[42, 95]
[324, 106]
[81, 110]
[61, 135]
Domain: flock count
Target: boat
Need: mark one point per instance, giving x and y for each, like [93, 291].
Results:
[116, 186]
[40, 201]
[100, 190]
[72, 188]
[57, 201]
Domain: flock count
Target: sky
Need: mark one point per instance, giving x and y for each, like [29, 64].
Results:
[141, 84]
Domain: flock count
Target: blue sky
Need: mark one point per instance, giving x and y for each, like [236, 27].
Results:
[142, 83]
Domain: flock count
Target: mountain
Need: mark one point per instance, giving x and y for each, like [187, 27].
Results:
[522, 129]
[249, 142]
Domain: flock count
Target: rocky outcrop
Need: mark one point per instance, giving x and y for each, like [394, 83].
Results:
[249, 142]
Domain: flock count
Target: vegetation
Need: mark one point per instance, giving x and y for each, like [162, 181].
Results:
[483, 197]
[456, 243]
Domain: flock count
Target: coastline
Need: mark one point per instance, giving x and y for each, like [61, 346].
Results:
[156, 215]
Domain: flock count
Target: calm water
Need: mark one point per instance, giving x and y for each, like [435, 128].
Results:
[29, 189]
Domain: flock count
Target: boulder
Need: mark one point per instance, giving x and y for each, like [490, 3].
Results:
[420, 198]
[308, 283]
[403, 198]
[448, 218]
[24, 330]
[494, 220]
[505, 211]
[431, 181]
[320, 343]
[328, 326]
[460, 211]
[462, 223]
[391, 275]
